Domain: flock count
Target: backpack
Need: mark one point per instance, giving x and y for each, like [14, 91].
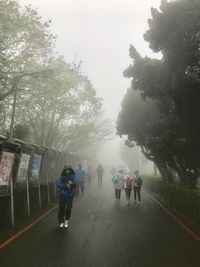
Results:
[139, 181]
[129, 181]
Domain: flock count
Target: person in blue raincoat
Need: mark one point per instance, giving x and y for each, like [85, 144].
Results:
[66, 185]
[80, 179]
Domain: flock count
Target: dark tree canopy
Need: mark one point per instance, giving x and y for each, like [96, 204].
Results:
[171, 135]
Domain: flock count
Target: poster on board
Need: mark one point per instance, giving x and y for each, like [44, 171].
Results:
[23, 168]
[6, 164]
[36, 163]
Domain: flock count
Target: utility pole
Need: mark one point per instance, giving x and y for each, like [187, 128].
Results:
[13, 112]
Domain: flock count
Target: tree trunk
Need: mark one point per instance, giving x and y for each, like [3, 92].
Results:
[188, 179]
[155, 169]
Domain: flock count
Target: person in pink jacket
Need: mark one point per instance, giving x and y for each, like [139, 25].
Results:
[128, 185]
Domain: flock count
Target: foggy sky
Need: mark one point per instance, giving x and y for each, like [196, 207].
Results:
[99, 32]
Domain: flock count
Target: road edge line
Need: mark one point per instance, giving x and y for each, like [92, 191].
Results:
[178, 221]
[25, 229]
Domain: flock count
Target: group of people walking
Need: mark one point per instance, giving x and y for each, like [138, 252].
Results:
[129, 183]
[72, 183]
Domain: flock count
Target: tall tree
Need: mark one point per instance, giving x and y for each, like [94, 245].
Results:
[25, 44]
[61, 111]
[173, 83]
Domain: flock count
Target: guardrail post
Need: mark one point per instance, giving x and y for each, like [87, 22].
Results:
[12, 202]
[39, 194]
[48, 194]
[28, 197]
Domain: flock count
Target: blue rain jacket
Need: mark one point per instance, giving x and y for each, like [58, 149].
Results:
[62, 185]
[80, 174]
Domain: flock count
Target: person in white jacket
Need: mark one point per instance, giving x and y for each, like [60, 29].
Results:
[118, 182]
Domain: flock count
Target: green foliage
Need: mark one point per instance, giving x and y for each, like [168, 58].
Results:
[169, 133]
[134, 122]
[174, 31]
[25, 44]
[63, 112]
[55, 100]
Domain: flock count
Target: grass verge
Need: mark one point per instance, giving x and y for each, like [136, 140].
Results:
[183, 202]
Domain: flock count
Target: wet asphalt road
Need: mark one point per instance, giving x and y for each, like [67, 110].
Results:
[104, 234]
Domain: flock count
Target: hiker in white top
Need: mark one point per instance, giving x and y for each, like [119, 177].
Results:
[118, 182]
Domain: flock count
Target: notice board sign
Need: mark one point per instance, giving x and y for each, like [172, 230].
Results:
[23, 168]
[36, 164]
[6, 164]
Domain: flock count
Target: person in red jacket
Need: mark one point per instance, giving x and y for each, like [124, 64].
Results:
[128, 185]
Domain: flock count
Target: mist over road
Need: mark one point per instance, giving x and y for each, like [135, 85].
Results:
[104, 234]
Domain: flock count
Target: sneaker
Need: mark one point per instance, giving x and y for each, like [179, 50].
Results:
[66, 224]
[139, 202]
[61, 225]
[127, 203]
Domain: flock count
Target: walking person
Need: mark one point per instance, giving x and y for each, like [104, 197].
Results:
[128, 185]
[137, 184]
[100, 172]
[66, 185]
[118, 180]
[80, 180]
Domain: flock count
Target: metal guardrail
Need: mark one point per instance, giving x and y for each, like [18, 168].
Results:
[28, 177]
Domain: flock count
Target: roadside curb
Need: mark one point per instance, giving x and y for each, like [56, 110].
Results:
[178, 221]
[25, 229]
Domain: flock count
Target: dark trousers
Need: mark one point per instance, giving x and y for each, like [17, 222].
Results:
[137, 190]
[118, 194]
[65, 207]
[80, 187]
[128, 193]
[100, 180]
